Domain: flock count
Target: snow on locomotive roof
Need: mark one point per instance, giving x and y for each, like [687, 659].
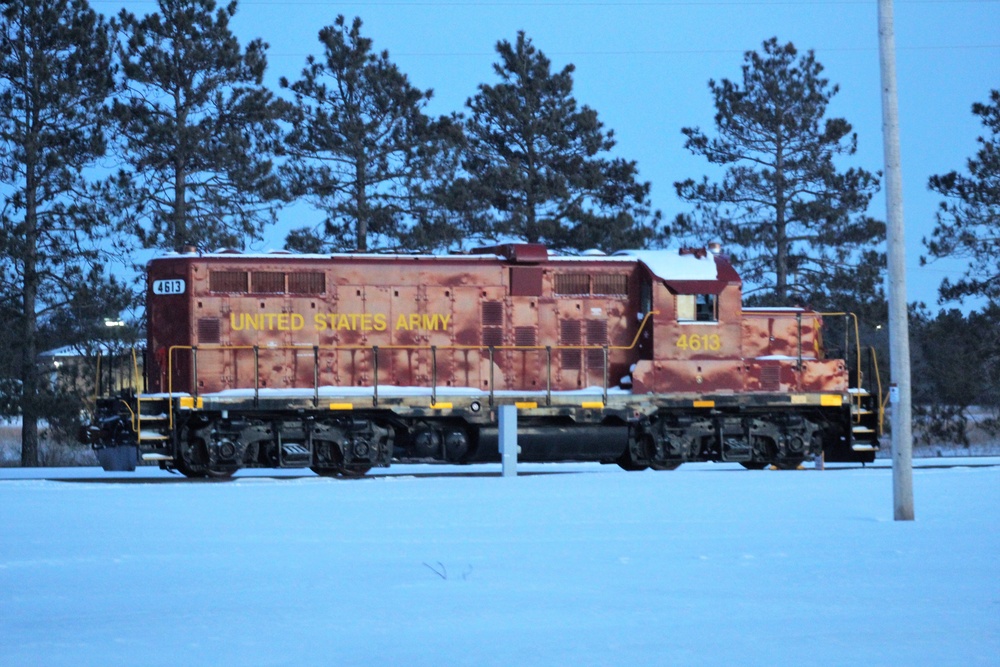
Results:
[283, 254]
[675, 265]
[664, 264]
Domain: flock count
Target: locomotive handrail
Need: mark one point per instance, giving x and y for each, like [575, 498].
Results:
[857, 340]
[133, 418]
[878, 383]
[375, 349]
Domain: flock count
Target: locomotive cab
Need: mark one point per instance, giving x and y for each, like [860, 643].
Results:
[696, 327]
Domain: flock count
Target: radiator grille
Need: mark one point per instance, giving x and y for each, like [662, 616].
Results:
[572, 283]
[268, 282]
[611, 284]
[307, 283]
[227, 281]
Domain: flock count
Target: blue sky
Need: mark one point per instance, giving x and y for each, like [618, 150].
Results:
[644, 66]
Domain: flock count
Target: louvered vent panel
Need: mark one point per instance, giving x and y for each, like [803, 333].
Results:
[611, 285]
[597, 334]
[572, 283]
[525, 336]
[493, 336]
[227, 281]
[571, 333]
[307, 283]
[208, 330]
[492, 313]
[770, 378]
[268, 282]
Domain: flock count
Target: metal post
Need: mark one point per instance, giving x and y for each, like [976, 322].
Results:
[491, 376]
[798, 324]
[194, 370]
[847, 345]
[508, 439]
[256, 376]
[899, 339]
[434, 374]
[548, 375]
[315, 376]
[375, 383]
[604, 397]
[100, 376]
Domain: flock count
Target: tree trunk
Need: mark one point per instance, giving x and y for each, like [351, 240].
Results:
[180, 179]
[780, 232]
[29, 363]
[361, 201]
[29, 368]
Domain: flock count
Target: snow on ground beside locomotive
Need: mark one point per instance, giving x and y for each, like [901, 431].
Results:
[592, 568]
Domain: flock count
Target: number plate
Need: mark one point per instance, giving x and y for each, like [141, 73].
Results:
[175, 286]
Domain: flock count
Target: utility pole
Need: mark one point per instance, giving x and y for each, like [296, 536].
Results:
[899, 335]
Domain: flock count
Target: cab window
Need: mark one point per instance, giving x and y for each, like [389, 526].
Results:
[697, 308]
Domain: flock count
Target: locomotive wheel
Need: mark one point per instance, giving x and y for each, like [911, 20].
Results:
[625, 462]
[353, 471]
[186, 469]
[325, 472]
[788, 464]
[199, 472]
[754, 465]
[666, 465]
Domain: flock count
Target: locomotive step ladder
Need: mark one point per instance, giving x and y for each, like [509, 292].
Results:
[152, 420]
[866, 423]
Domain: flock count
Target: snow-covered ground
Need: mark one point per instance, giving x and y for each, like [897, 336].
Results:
[572, 565]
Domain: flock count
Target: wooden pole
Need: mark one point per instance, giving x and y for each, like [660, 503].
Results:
[899, 338]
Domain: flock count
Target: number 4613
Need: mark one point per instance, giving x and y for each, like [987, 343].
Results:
[697, 342]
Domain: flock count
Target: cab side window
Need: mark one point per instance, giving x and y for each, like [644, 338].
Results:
[697, 308]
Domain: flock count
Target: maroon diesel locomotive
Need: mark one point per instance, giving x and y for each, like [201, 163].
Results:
[344, 362]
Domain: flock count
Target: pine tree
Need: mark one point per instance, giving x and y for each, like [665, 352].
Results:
[55, 77]
[198, 130]
[538, 166]
[957, 367]
[793, 222]
[968, 222]
[362, 150]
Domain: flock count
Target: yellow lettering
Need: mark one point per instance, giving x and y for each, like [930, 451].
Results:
[233, 320]
[366, 322]
[354, 321]
[298, 322]
[401, 323]
[254, 322]
[428, 322]
[319, 322]
[283, 324]
[343, 322]
[414, 320]
[444, 321]
[380, 322]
